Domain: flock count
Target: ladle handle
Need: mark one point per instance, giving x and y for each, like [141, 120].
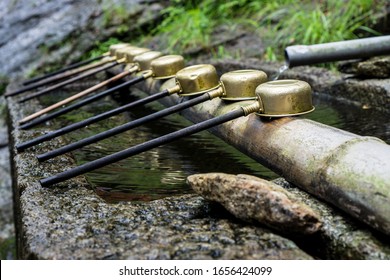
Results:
[62, 70]
[90, 166]
[58, 77]
[76, 96]
[81, 103]
[123, 128]
[69, 81]
[91, 120]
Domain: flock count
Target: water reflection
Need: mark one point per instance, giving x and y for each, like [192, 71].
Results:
[162, 171]
[349, 117]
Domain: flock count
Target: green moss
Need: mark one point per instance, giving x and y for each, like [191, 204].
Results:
[8, 249]
[100, 48]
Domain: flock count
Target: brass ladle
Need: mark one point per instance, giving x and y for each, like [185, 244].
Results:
[108, 57]
[129, 59]
[171, 63]
[293, 94]
[194, 80]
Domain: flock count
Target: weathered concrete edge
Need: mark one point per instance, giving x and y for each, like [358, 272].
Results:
[330, 163]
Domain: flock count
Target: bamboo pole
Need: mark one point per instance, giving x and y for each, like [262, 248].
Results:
[351, 172]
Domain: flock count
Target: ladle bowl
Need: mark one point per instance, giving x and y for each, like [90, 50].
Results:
[284, 98]
[241, 84]
[113, 48]
[166, 66]
[197, 79]
[132, 51]
[131, 54]
[145, 59]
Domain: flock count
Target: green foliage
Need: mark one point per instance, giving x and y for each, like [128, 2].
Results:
[100, 48]
[323, 21]
[3, 84]
[189, 24]
[186, 26]
[7, 249]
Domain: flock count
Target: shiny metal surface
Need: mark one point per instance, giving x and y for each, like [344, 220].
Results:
[284, 98]
[241, 84]
[197, 79]
[166, 66]
[113, 48]
[145, 59]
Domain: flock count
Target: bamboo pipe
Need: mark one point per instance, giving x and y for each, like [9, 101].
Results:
[132, 67]
[337, 51]
[296, 100]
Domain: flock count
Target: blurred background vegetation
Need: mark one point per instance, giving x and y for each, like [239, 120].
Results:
[189, 25]
[282, 22]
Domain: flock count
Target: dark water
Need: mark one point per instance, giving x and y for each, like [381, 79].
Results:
[162, 171]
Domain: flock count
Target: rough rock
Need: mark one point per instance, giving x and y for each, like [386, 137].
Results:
[7, 230]
[254, 199]
[39, 33]
[375, 68]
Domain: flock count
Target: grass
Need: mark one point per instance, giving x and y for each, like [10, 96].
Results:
[189, 24]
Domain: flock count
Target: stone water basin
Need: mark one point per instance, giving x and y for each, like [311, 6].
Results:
[94, 227]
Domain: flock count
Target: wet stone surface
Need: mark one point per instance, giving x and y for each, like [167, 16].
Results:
[176, 228]
[340, 236]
